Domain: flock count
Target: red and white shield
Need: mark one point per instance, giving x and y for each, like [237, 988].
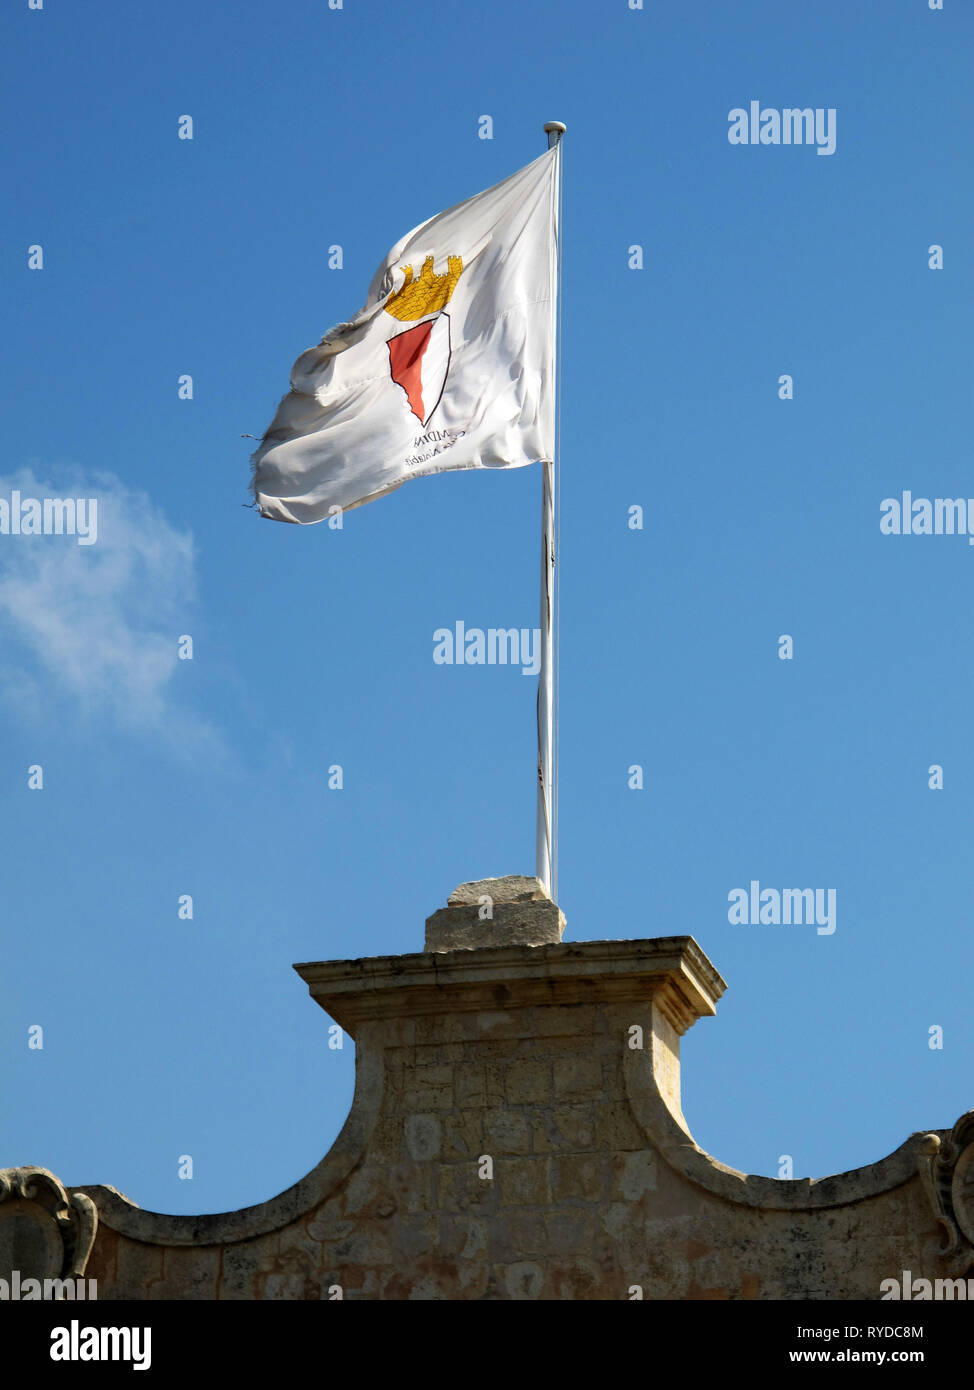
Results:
[419, 360]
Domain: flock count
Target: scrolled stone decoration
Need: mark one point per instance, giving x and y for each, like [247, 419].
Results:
[45, 1232]
[947, 1171]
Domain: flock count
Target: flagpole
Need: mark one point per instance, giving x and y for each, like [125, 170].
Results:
[547, 823]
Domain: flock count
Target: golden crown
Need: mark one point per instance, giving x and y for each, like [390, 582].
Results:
[427, 295]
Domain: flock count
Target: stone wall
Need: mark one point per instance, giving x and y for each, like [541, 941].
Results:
[516, 1133]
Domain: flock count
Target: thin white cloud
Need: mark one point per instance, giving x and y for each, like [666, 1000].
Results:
[99, 623]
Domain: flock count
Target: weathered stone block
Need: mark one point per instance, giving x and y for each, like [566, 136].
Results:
[522, 1182]
[528, 1082]
[577, 1176]
[417, 1235]
[570, 1232]
[464, 1237]
[506, 1132]
[461, 1189]
[471, 1086]
[495, 1082]
[616, 1128]
[563, 1128]
[577, 1078]
[634, 1175]
[510, 924]
[428, 1088]
[516, 1232]
[513, 888]
[463, 1135]
[523, 1281]
[424, 1137]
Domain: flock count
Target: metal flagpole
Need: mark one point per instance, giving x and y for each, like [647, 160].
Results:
[547, 832]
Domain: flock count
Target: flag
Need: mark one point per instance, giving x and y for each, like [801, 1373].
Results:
[449, 365]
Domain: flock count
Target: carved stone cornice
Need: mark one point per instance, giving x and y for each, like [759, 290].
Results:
[670, 970]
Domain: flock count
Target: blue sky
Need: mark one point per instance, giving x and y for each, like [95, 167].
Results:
[165, 1037]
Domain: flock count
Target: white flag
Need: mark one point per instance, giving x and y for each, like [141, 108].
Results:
[449, 365]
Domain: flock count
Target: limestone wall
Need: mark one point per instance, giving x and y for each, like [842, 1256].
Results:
[516, 1133]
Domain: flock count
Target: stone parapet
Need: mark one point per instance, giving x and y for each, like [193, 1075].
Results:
[517, 1133]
